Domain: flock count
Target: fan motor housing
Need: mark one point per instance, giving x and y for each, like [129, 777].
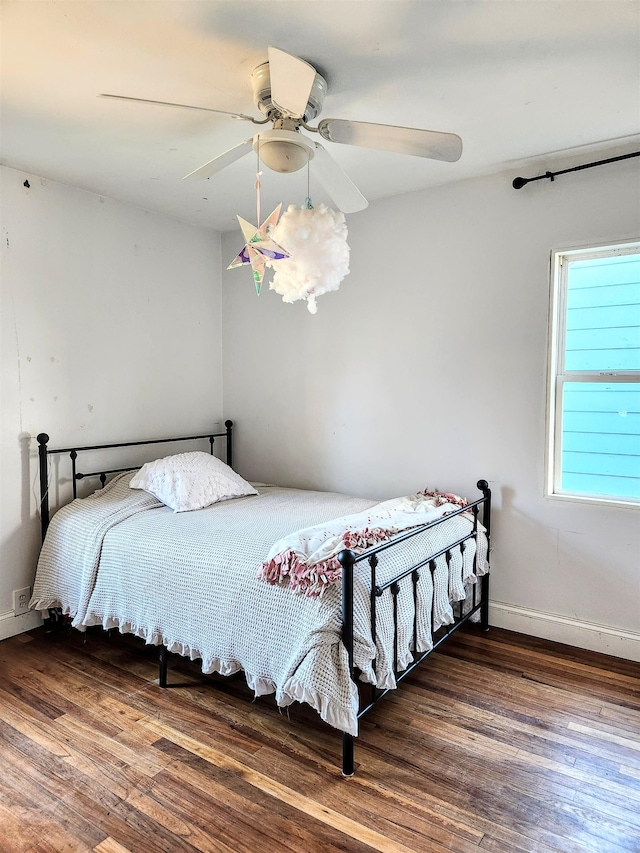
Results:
[261, 84]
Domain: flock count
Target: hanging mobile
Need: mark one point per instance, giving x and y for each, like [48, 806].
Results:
[259, 247]
[316, 237]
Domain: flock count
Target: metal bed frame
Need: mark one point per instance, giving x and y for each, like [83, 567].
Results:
[348, 559]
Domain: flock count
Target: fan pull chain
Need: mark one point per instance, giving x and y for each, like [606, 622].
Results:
[257, 184]
[307, 201]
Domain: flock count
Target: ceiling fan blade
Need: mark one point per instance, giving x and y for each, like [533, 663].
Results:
[222, 160]
[337, 183]
[239, 116]
[387, 137]
[291, 81]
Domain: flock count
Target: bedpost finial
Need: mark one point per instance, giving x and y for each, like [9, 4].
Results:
[228, 424]
[346, 558]
[42, 438]
[482, 485]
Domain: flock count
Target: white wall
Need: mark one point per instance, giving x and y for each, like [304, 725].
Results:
[428, 368]
[111, 330]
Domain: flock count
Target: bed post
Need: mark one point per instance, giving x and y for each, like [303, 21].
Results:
[163, 660]
[43, 440]
[347, 560]
[484, 581]
[229, 426]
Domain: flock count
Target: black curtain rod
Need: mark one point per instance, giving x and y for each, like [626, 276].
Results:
[518, 183]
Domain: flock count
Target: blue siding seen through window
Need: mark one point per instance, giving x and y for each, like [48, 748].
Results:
[603, 314]
[601, 439]
[601, 420]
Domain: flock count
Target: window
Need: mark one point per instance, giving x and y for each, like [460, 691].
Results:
[594, 383]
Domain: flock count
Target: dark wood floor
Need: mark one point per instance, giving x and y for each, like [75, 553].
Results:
[499, 743]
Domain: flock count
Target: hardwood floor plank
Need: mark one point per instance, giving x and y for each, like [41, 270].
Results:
[630, 772]
[560, 730]
[574, 748]
[17, 835]
[275, 789]
[377, 776]
[165, 816]
[96, 742]
[393, 811]
[43, 814]
[498, 743]
[623, 690]
[79, 802]
[233, 808]
[110, 846]
[527, 784]
[602, 734]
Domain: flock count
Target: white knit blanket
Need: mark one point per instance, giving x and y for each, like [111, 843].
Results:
[307, 559]
[189, 581]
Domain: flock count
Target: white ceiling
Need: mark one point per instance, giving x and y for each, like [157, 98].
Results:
[514, 78]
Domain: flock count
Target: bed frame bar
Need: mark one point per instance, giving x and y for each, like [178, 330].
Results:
[44, 451]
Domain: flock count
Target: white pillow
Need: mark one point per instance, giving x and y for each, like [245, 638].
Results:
[189, 481]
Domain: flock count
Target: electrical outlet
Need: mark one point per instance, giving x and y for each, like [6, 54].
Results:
[21, 600]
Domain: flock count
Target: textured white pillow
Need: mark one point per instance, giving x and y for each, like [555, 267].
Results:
[189, 481]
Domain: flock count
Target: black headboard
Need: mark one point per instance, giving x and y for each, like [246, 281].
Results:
[44, 451]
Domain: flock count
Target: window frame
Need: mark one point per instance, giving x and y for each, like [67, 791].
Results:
[557, 374]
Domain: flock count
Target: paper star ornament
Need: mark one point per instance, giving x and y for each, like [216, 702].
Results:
[259, 247]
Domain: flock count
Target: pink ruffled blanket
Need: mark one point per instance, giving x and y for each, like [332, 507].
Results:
[307, 559]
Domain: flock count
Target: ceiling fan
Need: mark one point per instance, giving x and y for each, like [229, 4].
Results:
[289, 92]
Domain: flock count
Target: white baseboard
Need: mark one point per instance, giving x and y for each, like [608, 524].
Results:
[11, 625]
[536, 623]
[549, 626]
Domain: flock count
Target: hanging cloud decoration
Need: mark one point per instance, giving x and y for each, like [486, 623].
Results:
[316, 241]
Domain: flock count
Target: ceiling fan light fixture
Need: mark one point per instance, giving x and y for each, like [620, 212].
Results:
[283, 151]
[283, 156]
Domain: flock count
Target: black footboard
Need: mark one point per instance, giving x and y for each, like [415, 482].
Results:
[411, 575]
